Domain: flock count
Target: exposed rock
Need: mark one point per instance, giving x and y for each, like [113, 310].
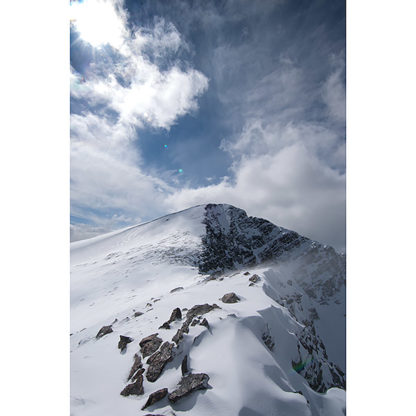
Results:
[135, 388]
[188, 384]
[150, 344]
[205, 323]
[155, 397]
[246, 274]
[201, 310]
[268, 340]
[255, 278]
[158, 361]
[122, 344]
[176, 315]
[136, 365]
[252, 284]
[165, 326]
[195, 322]
[196, 310]
[177, 289]
[230, 298]
[104, 331]
[184, 365]
[136, 314]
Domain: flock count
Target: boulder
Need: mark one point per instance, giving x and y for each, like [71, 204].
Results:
[188, 384]
[135, 388]
[122, 344]
[176, 315]
[165, 326]
[155, 397]
[177, 289]
[149, 345]
[200, 310]
[230, 298]
[255, 278]
[104, 331]
[204, 323]
[158, 361]
[136, 365]
[136, 314]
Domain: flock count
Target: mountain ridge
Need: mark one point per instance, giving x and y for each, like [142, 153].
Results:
[290, 310]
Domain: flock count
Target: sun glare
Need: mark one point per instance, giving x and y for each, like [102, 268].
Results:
[98, 22]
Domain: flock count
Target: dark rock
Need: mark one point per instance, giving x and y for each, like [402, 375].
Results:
[205, 323]
[136, 365]
[184, 329]
[246, 273]
[252, 284]
[165, 326]
[104, 331]
[158, 361]
[195, 322]
[184, 365]
[176, 315]
[122, 344]
[136, 314]
[135, 388]
[155, 397]
[188, 384]
[149, 345]
[200, 310]
[177, 289]
[255, 278]
[230, 298]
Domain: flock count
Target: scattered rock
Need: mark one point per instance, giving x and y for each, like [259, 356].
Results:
[104, 331]
[255, 278]
[230, 298]
[177, 289]
[246, 273]
[135, 388]
[252, 284]
[184, 365]
[136, 365]
[176, 315]
[165, 326]
[158, 361]
[155, 397]
[122, 344]
[136, 314]
[201, 310]
[195, 322]
[188, 384]
[150, 344]
[268, 340]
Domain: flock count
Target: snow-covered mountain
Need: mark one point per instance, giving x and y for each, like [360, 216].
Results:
[207, 312]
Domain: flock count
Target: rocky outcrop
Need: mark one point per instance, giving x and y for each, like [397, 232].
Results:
[184, 365]
[135, 388]
[136, 366]
[104, 331]
[155, 397]
[188, 384]
[254, 279]
[196, 310]
[230, 298]
[122, 344]
[158, 361]
[150, 344]
[175, 316]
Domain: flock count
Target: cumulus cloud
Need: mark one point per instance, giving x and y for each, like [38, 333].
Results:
[124, 88]
[280, 174]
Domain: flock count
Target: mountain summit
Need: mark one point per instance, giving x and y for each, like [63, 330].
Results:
[207, 311]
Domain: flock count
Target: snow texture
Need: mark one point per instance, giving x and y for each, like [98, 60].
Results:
[279, 350]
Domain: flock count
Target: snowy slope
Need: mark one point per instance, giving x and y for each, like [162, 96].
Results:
[279, 350]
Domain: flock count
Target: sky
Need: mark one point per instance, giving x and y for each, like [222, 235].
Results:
[179, 103]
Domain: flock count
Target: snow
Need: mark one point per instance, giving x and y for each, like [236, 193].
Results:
[135, 269]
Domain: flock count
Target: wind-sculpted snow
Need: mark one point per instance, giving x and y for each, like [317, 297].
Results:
[253, 312]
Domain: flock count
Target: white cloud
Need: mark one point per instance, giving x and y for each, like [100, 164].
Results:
[106, 167]
[281, 177]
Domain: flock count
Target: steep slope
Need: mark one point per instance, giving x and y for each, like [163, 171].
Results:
[278, 350]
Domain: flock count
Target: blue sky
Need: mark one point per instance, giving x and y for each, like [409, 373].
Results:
[248, 96]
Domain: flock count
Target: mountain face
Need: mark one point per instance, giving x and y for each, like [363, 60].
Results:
[207, 311]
